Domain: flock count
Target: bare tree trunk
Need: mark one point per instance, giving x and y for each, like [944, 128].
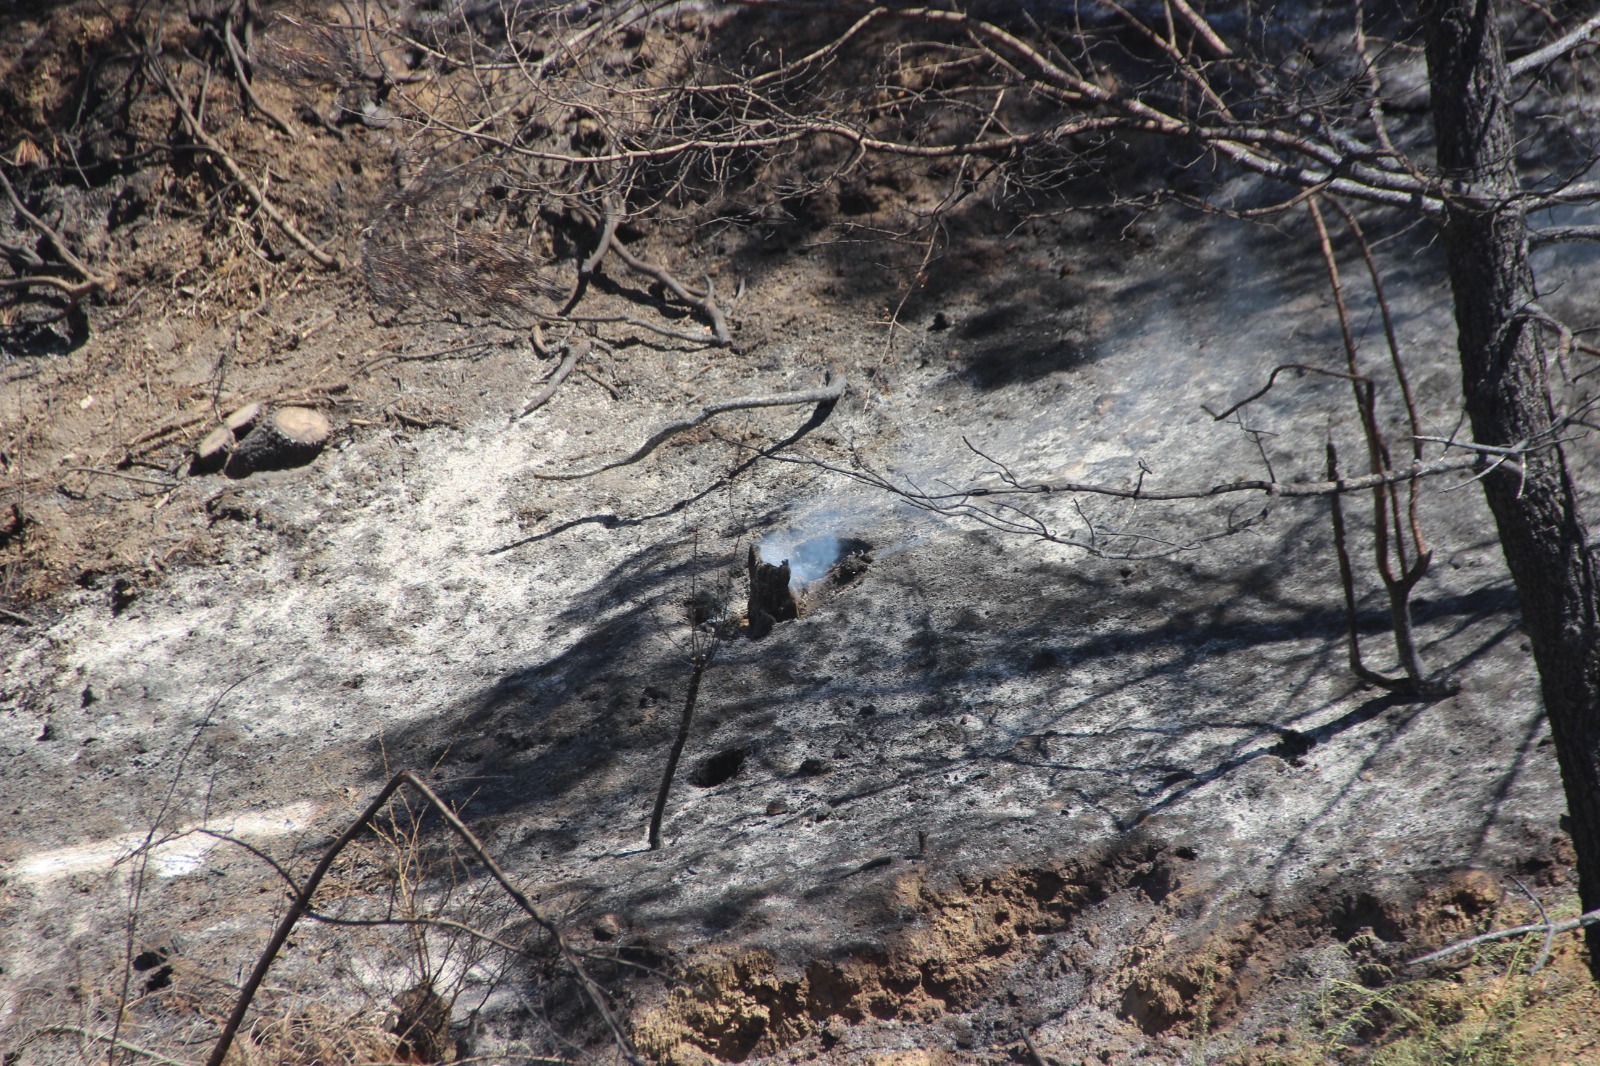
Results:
[1508, 399]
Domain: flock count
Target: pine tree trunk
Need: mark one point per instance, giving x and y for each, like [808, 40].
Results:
[1508, 401]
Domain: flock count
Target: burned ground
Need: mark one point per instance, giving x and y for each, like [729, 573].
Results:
[1136, 809]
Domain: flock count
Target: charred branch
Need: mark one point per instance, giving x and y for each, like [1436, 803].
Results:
[824, 398]
[92, 280]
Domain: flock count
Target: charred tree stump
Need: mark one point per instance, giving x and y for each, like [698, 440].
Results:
[211, 454]
[243, 420]
[214, 451]
[771, 601]
[288, 437]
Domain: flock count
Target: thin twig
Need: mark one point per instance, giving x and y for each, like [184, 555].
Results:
[574, 353]
[1488, 449]
[116, 1042]
[616, 394]
[1272, 379]
[665, 331]
[1033, 1049]
[1554, 928]
[236, 54]
[1271, 488]
[120, 474]
[251, 189]
[396, 357]
[320, 324]
[827, 395]
[20, 619]
[974, 502]
[700, 662]
[1347, 582]
[301, 904]
[156, 435]
[1549, 937]
[420, 423]
[139, 860]
[329, 919]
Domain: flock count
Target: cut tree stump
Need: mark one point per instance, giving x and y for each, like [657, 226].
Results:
[244, 419]
[286, 437]
[211, 454]
[771, 600]
[216, 447]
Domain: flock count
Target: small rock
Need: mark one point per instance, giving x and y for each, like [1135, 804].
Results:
[607, 927]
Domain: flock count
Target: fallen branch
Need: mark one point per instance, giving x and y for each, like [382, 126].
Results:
[1550, 929]
[629, 320]
[252, 190]
[19, 619]
[301, 904]
[119, 474]
[116, 1042]
[396, 357]
[705, 303]
[73, 291]
[92, 280]
[235, 53]
[829, 395]
[574, 353]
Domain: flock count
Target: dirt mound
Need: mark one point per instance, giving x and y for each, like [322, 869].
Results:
[966, 941]
[978, 945]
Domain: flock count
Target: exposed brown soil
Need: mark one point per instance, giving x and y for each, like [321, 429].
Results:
[970, 938]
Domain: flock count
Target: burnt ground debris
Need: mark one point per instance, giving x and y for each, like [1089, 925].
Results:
[1154, 771]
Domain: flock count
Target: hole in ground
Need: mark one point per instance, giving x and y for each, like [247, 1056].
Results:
[715, 769]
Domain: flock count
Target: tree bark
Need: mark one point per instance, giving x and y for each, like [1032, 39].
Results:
[1508, 400]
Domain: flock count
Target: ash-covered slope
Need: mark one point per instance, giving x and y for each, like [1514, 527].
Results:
[982, 782]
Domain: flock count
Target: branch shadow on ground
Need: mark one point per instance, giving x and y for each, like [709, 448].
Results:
[568, 748]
